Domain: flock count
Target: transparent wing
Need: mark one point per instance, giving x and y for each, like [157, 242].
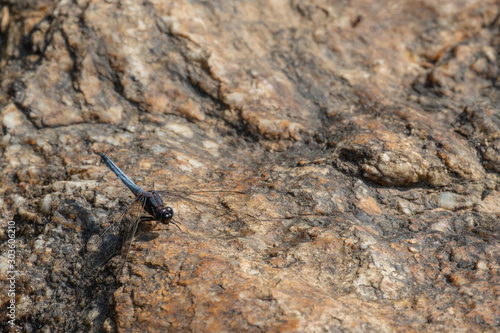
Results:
[129, 231]
[226, 204]
[116, 239]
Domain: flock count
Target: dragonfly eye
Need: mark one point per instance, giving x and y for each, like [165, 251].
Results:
[166, 214]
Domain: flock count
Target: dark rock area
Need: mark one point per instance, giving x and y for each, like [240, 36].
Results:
[349, 154]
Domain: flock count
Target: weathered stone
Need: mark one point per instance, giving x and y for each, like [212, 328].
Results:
[361, 143]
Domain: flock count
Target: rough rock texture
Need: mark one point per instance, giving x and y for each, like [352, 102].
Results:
[365, 136]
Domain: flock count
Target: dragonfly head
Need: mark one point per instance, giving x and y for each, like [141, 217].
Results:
[165, 214]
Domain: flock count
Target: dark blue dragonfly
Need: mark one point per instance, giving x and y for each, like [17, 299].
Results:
[150, 200]
[119, 236]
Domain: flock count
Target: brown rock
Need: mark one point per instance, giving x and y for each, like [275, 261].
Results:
[361, 143]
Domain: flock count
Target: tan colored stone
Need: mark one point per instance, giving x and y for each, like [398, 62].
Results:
[356, 145]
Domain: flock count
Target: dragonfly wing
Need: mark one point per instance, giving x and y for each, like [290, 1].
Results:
[104, 247]
[130, 228]
[216, 202]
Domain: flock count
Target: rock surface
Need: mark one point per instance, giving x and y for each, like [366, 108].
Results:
[364, 138]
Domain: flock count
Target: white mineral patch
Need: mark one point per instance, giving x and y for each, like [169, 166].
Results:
[447, 200]
[179, 129]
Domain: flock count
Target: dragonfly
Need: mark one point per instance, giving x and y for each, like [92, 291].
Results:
[118, 237]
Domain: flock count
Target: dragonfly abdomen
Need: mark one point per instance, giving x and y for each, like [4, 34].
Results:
[136, 190]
